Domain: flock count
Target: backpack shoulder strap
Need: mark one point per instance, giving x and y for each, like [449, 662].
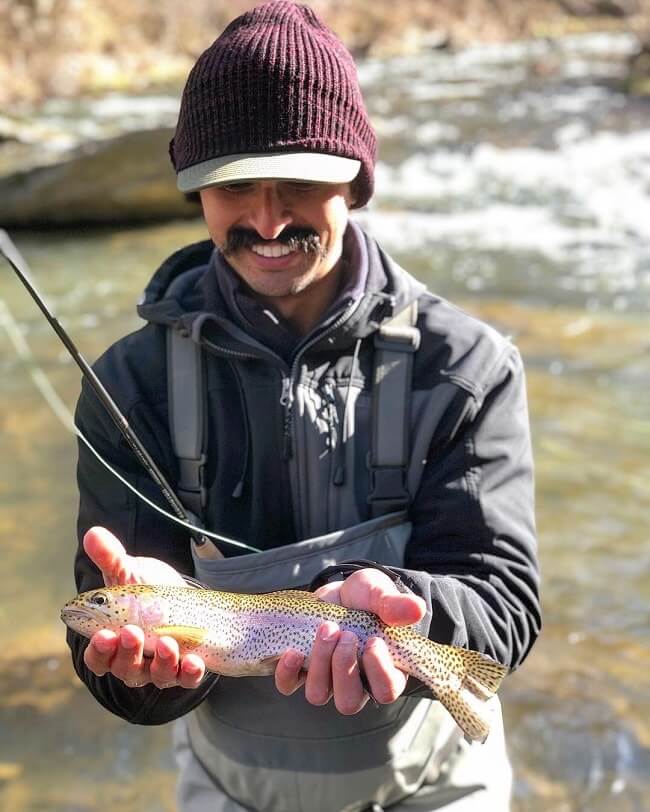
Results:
[395, 345]
[186, 398]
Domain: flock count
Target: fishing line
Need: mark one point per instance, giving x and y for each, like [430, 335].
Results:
[40, 379]
[62, 412]
[156, 507]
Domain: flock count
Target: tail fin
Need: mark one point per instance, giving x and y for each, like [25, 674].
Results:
[462, 680]
[468, 702]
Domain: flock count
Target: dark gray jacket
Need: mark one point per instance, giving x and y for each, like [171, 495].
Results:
[472, 554]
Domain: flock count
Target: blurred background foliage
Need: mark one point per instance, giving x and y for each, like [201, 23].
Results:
[68, 47]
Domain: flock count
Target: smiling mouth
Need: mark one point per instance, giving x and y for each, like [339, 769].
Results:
[272, 251]
[292, 240]
[273, 257]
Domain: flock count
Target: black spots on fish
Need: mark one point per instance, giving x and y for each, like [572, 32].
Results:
[464, 681]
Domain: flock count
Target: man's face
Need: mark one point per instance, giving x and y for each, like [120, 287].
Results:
[279, 236]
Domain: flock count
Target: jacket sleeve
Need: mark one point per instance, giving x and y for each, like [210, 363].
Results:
[473, 554]
[106, 502]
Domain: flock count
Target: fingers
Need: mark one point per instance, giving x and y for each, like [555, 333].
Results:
[386, 682]
[123, 656]
[318, 685]
[164, 666]
[100, 651]
[168, 669]
[129, 664]
[192, 671]
[334, 670]
[118, 567]
[108, 553]
[349, 694]
[373, 591]
[401, 609]
[289, 675]
[330, 592]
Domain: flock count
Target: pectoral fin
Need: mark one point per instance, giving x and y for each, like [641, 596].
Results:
[266, 666]
[186, 636]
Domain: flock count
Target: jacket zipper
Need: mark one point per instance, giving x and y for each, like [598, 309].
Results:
[232, 353]
[286, 399]
[287, 395]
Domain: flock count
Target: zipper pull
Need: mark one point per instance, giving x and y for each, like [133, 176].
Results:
[287, 395]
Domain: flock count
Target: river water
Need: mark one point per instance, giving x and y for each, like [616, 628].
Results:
[513, 180]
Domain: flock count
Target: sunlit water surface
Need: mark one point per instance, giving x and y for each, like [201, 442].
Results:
[515, 181]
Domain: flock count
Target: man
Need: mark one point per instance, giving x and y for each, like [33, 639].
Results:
[349, 418]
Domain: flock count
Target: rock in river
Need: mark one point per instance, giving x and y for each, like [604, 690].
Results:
[125, 179]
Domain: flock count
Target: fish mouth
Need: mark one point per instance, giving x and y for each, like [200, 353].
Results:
[76, 613]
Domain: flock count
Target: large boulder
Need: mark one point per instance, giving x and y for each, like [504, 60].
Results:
[122, 180]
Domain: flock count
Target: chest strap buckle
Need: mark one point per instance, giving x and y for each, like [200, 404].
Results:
[388, 488]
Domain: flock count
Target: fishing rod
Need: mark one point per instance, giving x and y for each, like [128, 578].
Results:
[11, 254]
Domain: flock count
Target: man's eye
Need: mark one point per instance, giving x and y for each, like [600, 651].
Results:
[302, 186]
[237, 188]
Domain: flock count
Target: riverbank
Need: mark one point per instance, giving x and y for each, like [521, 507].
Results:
[68, 48]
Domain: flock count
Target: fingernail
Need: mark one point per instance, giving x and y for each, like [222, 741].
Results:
[293, 660]
[373, 643]
[164, 654]
[348, 638]
[328, 632]
[103, 646]
[128, 641]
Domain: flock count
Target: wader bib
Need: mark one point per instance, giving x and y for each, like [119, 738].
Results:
[247, 747]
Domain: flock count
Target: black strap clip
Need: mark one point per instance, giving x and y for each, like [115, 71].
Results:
[388, 488]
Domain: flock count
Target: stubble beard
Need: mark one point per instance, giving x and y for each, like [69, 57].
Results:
[276, 284]
[271, 283]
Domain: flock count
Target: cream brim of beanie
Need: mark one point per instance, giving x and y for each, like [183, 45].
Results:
[311, 167]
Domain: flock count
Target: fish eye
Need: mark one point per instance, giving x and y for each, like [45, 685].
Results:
[99, 599]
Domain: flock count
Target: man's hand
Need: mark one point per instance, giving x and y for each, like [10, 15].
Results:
[334, 661]
[123, 654]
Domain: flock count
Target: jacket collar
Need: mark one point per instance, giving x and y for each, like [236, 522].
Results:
[185, 292]
[225, 290]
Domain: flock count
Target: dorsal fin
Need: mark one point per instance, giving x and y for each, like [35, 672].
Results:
[292, 593]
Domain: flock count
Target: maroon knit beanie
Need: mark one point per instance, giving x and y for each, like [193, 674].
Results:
[276, 96]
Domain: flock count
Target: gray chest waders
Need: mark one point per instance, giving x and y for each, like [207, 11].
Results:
[248, 747]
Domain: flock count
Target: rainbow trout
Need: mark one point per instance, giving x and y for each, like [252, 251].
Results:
[244, 635]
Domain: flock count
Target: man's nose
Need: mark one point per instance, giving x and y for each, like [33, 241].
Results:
[269, 214]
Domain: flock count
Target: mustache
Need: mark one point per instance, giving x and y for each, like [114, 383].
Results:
[294, 237]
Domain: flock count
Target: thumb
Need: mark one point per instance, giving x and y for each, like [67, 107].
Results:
[108, 553]
[401, 609]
